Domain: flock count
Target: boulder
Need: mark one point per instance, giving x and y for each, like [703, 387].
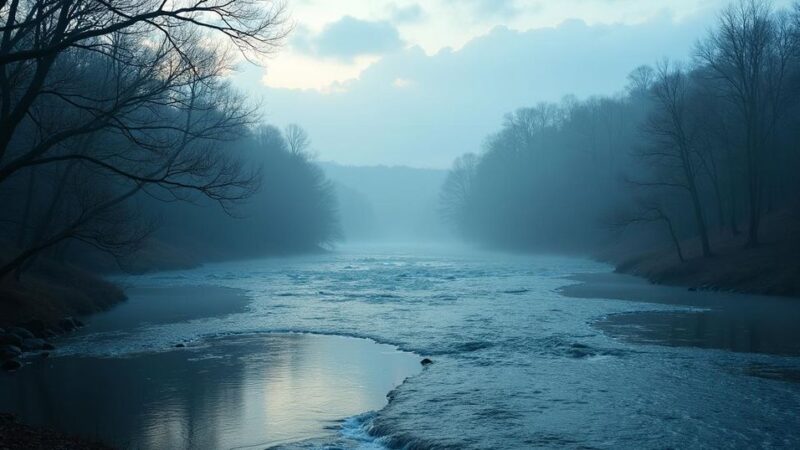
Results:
[11, 365]
[10, 339]
[180, 345]
[21, 332]
[37, 327]
[9, 352]
[426, 362]
[32, 344]
[67, 324]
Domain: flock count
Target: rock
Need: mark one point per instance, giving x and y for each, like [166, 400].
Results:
[78, 323]
[44, 355]
[21, 332]
[180, 345]
[37, 327]
[11, 365]
[32, 344]
[48, 346]
[67, 324]
[10, 339]
[426, 362]
[49, 334]
[9, 352]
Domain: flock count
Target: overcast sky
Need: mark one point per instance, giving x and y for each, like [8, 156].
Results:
[417, 83]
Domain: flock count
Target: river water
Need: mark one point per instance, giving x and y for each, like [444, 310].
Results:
[517, 362]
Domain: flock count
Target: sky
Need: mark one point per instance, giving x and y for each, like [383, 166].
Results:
[418, 83]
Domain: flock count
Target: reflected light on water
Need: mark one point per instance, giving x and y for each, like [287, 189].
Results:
[239, 392]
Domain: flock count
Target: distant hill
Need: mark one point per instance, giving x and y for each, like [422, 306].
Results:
[387, 203]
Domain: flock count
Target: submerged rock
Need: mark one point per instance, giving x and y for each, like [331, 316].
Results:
[23, 333]
[37, 327]
[67, 324]
[11, 365]
[32, 344]
[10, 339]
[180, 345]
[9, 352]
[426, 362]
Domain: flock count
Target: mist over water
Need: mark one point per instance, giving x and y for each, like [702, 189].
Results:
[395, 224]
[516, 363]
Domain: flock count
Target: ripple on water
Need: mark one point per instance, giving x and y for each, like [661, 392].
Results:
[513, 369]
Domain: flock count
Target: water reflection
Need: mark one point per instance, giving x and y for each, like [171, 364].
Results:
[716, 320]
[734, 329]
[244, 392]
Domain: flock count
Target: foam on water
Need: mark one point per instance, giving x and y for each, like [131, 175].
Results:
[516, 364]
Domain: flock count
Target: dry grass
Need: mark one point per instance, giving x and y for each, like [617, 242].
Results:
[51, 291]
[771, 268]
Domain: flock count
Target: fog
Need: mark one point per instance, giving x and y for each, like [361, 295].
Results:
[527, 130]
[391, 204]
[517, 222]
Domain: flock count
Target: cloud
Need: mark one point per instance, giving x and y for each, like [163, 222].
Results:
[415, 108]
[402, 83]
[347, 39]
[492, 8]
[406, 14]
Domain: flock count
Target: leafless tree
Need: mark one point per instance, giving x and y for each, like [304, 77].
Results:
[648, 210]
[297, 139]
[36, 34]
[674, 150]
[457, 189]
[142, 81]
[750, 54]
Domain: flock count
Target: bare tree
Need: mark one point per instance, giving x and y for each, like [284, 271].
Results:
[157, 118]
[456, 191]
[297, 139]
[37, 33]
[641, 79]
[649, 210]
[749, 55]
[673, 149]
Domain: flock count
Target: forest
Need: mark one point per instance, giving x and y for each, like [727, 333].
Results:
[698, 157]
[124, 146]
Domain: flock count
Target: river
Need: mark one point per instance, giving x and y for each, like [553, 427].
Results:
[524, 354]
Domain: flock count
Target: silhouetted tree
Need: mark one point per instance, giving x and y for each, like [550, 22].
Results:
[116, 100]
[751, 55]
[456, 193]
[674, 150]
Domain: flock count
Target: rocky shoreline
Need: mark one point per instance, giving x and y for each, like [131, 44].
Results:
[31, 339]
[16, 436]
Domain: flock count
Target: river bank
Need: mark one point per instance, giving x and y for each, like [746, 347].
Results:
[17, 436]
[510, 348]
[216, 390]
[771, 268]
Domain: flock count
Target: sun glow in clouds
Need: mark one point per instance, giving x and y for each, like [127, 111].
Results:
[292, 71]
[433, 26]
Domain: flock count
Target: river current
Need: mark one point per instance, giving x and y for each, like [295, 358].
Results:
[516, 363]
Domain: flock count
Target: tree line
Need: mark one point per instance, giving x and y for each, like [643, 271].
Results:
[107, 107]
[699, 150]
